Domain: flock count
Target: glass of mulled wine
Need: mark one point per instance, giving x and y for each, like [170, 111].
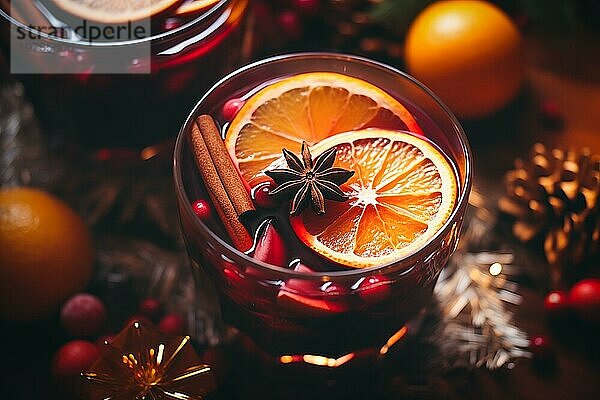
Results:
[313, 278]
[67, 49]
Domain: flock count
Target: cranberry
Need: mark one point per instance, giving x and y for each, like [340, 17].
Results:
[73, 358]
[202, 209]
[83, 315]
[172, 324]
[556, 302]
[270, 247]
[150, 308]
[262, 195]
[231, 108]
[584, 297]
[374, 289]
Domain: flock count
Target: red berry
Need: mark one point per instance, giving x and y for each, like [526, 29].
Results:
[73, 358]
[150, 308]
[585, 299]
[556, 302]
[374, 289]
[290, 24]
[83, 315]
[270, 247]
[172, 324]
[231, 108]
[307, 7]
[262, 195]
[202, 209]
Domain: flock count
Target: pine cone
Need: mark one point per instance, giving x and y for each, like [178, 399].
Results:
[554, 196]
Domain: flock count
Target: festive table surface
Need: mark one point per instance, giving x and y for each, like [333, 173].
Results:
[563, 72]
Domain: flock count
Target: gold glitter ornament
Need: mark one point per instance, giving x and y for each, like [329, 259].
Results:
[142, 363]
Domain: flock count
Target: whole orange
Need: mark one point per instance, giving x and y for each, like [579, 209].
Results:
[468, 53]
[46, 253]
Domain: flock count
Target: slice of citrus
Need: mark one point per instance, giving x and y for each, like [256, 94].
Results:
[115, 11]
[309, 107]
[403, 191]
[192, 6]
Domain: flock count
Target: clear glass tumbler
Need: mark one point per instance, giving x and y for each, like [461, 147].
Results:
[377, 309]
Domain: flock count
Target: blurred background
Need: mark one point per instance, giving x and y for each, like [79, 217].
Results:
[515, 72]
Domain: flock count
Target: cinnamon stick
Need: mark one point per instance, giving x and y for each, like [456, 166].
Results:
[222, 198]
[227, 171]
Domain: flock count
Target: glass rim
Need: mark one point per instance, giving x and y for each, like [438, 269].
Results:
[85, 43]
[462, 198]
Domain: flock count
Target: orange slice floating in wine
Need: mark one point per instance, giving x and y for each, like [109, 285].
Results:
[115, 11]
[402, 193]
[310, 107]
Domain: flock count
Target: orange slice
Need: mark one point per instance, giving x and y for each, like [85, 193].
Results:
[310, 107]
[192, 6]
[403, 191]
[114, 11]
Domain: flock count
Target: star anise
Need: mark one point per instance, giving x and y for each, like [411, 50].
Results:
[310, 180]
